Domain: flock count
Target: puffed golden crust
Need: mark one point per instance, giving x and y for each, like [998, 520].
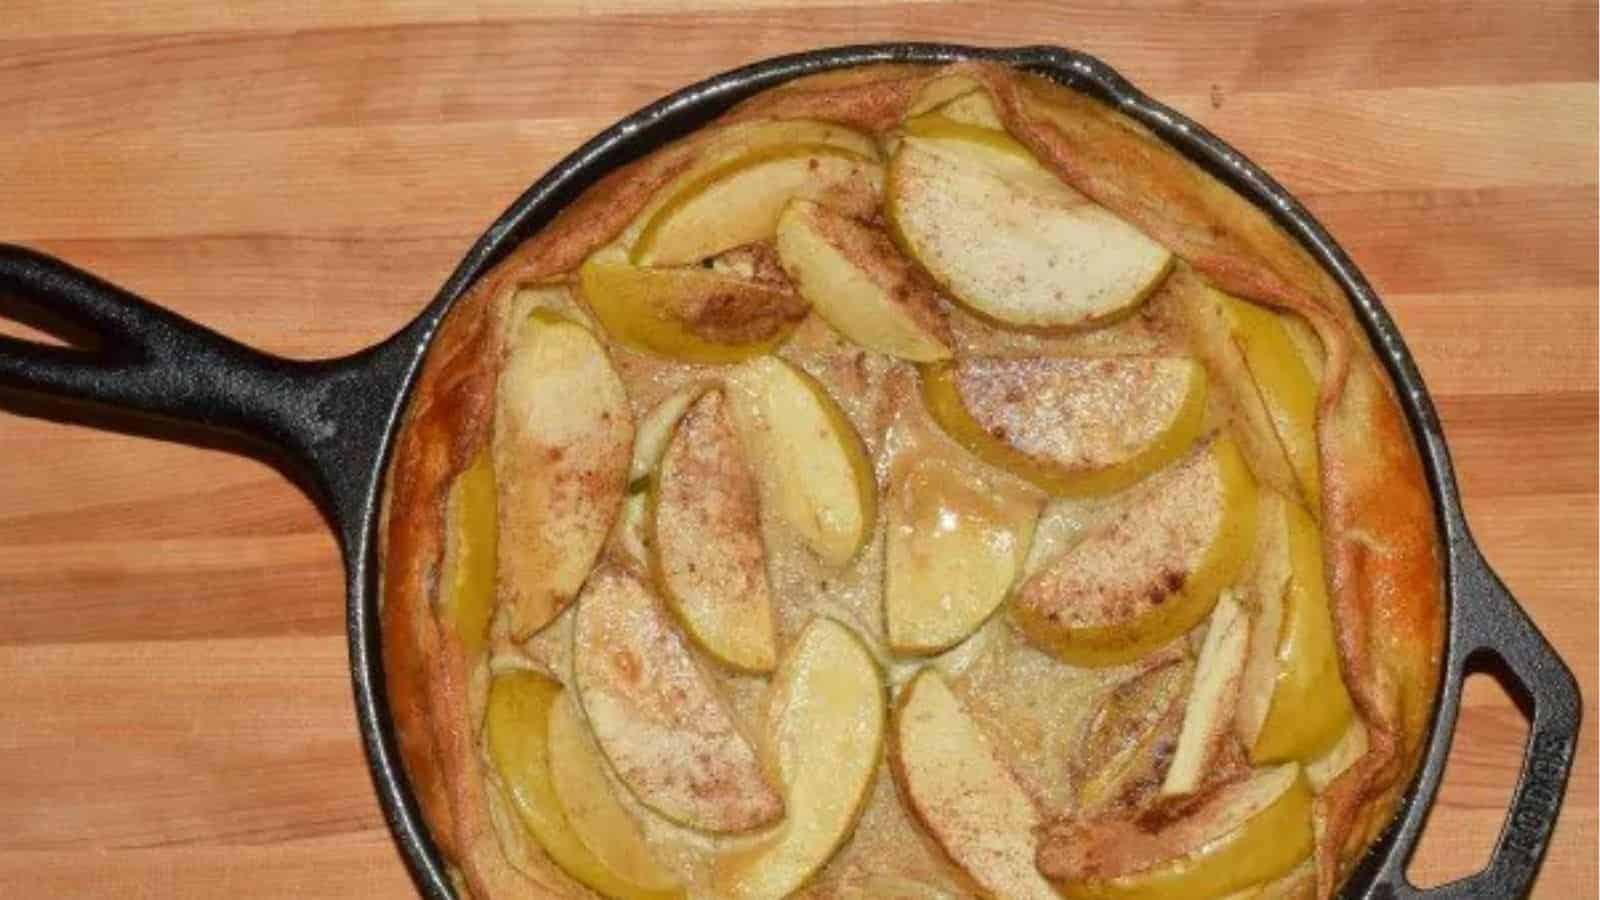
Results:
[1379, 525]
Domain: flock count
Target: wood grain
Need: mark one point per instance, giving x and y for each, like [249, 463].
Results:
[175, 714]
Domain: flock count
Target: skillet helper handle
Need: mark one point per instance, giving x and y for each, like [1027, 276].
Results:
[1496, 635]
[327, 418]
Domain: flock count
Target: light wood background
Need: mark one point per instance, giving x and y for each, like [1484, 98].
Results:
[175, 713]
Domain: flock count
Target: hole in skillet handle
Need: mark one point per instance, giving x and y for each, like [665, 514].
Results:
[1476, 785]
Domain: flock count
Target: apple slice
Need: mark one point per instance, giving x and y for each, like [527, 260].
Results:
[890, 887]
[959, 788]
[956, 541]
[669, 735]
[692, 315]
[562, 430]
[1351, 746]
[467, 574]
[825, 723]
[1298, 884]
[972, 108]
[1151, 573]
[811, 465]
[654, 432]
[1129, 740]
[856, 280]
[705, 533]
[1245, 833]
[1288, 389]
[737, 201]
[1294, 705]
[517, 736]
[1208, 716]
[958, 98]
[601, 823]
[1265, 588]
[1075, 426]
[1008, 238]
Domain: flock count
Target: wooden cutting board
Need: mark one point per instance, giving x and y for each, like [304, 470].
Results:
[175, 713]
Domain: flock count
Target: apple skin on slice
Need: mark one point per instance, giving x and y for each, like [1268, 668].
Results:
[1289, 390]
[1243, 834]
[600, 821]
[956, 541]
[958, 98]
[671, 738]
[707, 556]
[854, 278]
[1006, 237]
[561, 444]
[958, 787]
[1351, 746]
[1152, 572]
[971, 108]
[692, 315]
[1074, 426]
[467, 574]
[655, 430]
[813, 470]
[825, 725]
[737, 201]
[517, 738]
[1295, 705]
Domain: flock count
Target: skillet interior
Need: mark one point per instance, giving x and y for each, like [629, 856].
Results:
[687, 110]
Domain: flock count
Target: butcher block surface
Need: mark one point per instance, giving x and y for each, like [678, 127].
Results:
[175, 706]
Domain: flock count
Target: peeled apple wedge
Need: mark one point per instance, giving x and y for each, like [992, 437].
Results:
[825, 725]
[1289, 390]
[1074, 426]
[561, 444]
[693, 314]
[467, 574]
[517, 735]
[1151, 573]
[1208, 714]
[670, 736]
[854, 278]
[1246, 833]
[734, 196]
[707, 554]
[1006, 237]
[959, 788]
[956, 541]
[813, 470]
[1294, 704]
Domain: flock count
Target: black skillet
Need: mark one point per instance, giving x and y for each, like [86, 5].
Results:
[332, 424]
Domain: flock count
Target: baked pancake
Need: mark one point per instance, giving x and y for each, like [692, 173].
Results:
[919, 482]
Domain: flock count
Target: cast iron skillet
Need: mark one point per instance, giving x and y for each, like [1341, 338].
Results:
[332, 424]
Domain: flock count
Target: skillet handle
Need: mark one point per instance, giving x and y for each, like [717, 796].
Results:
[326, 419]
[1491, 633]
